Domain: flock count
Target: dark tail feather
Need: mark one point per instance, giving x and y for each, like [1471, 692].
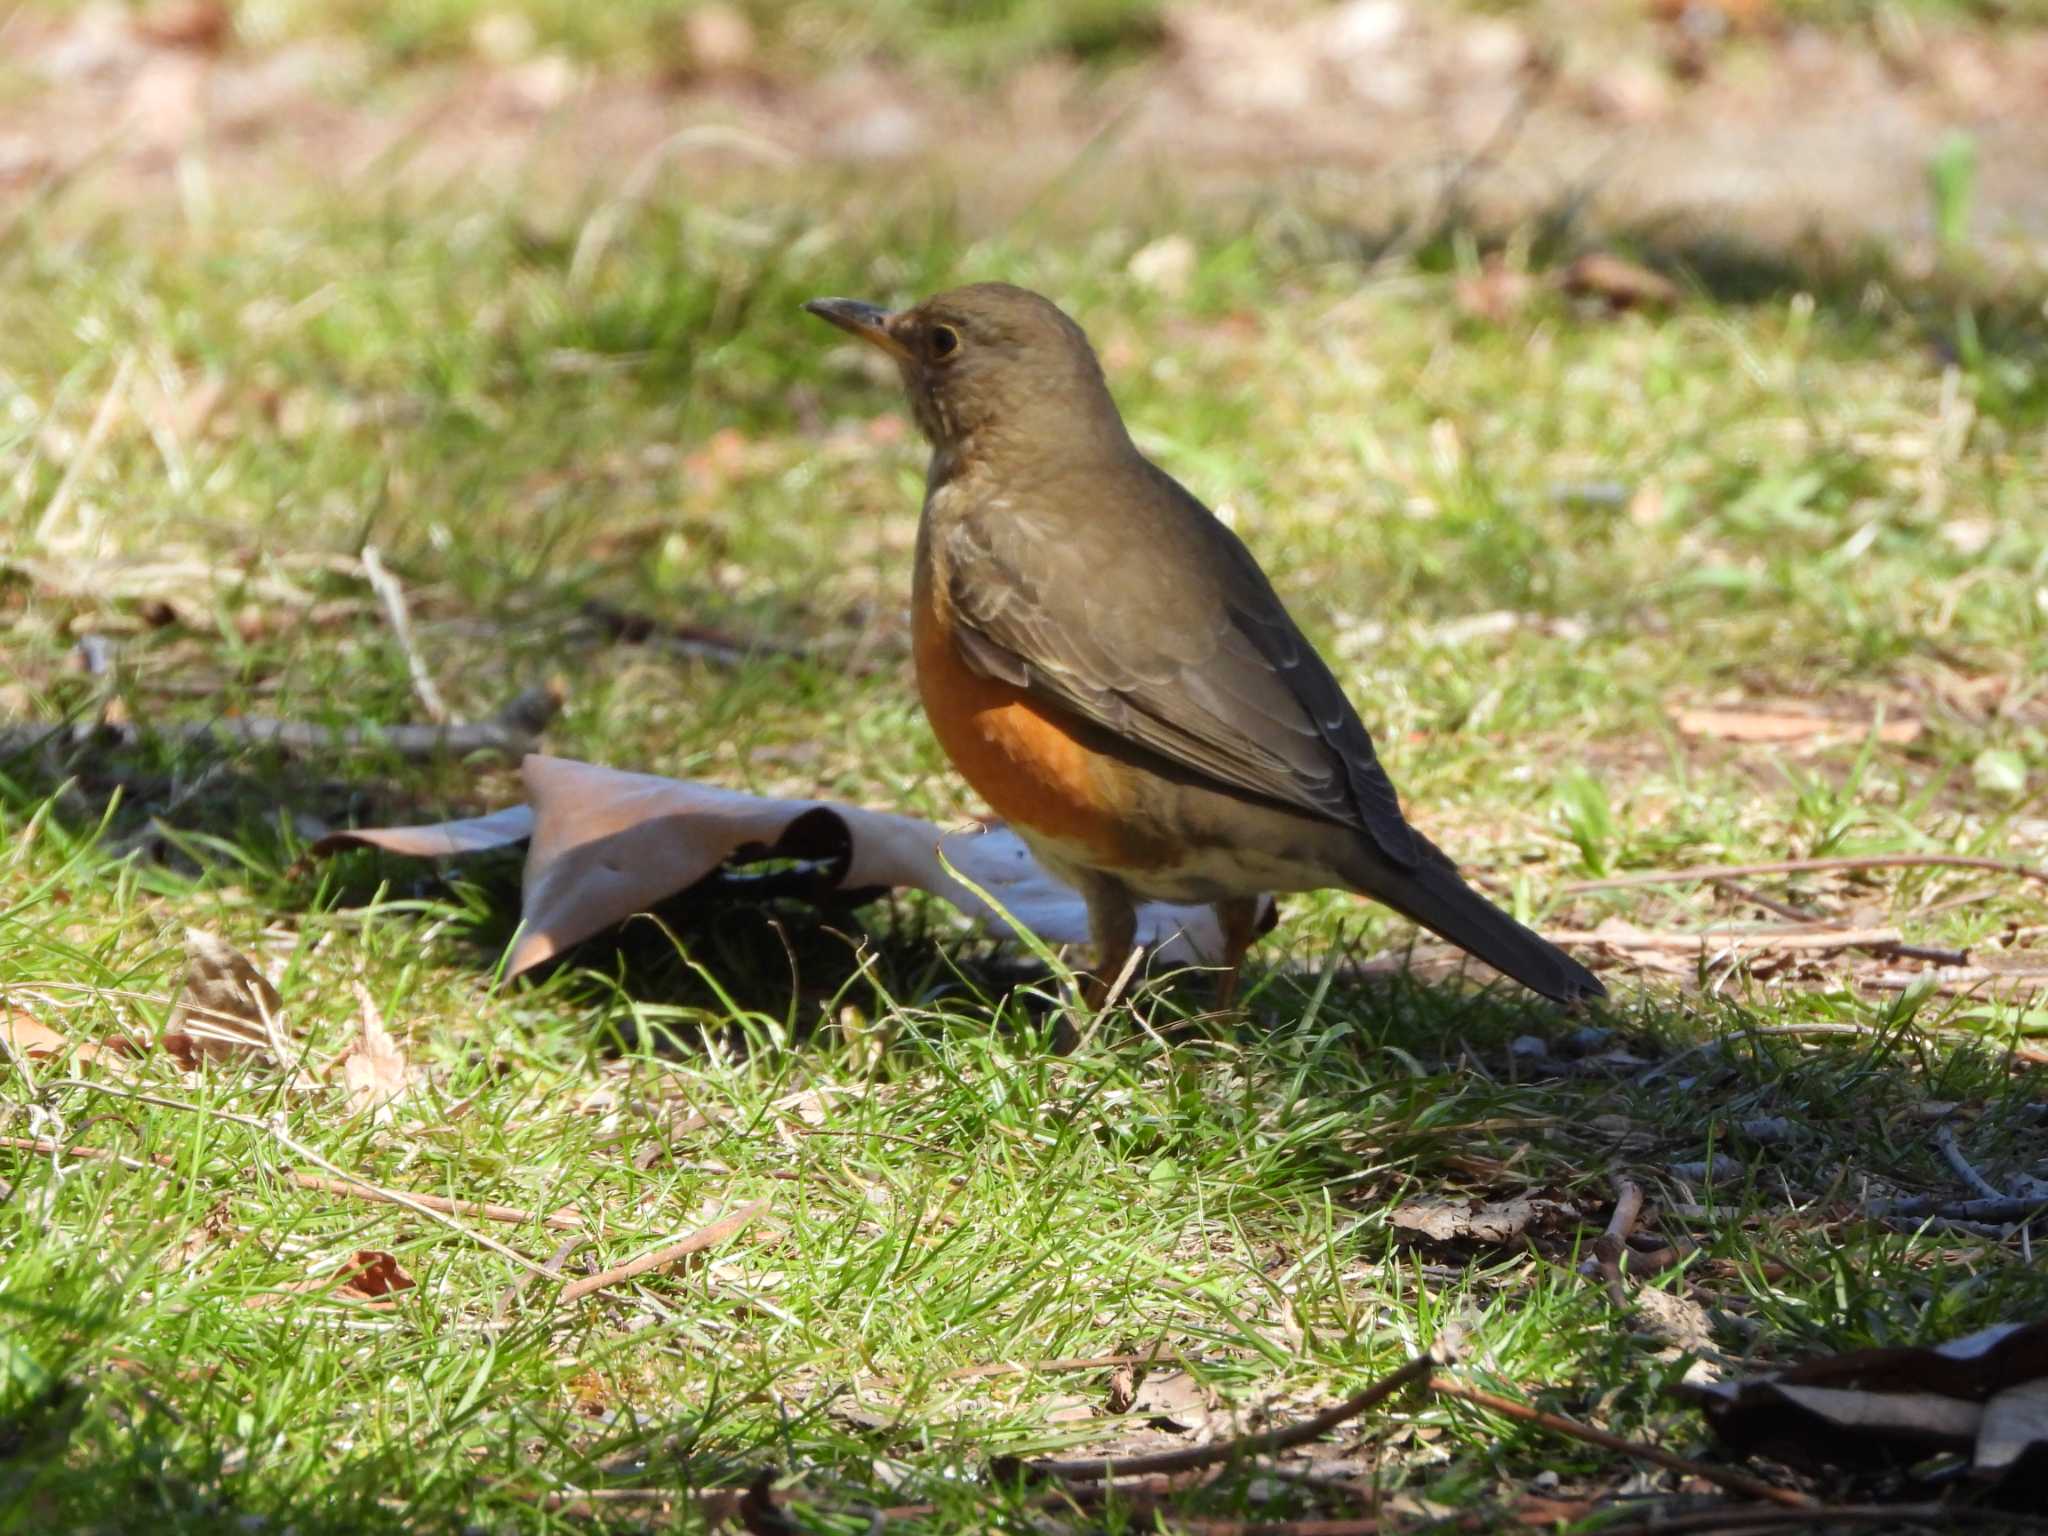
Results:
[1437, 897]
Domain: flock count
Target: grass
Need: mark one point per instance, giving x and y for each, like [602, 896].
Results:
[1526, 546]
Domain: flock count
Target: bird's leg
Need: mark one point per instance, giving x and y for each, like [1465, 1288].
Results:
[1239, 919]
[1113, 924]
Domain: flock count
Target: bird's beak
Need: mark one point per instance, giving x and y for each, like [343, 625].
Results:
[867, 321]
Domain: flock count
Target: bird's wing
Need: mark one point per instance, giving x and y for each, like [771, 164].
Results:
[1193, 658]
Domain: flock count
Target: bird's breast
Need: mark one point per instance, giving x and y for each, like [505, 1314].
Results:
[1029, 759]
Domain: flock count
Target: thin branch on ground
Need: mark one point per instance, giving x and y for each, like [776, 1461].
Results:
[1945, 1139]
[1806, 866]
[392, 596]
[1103, 1469]
[1604, 1263]
[1725, 1477]
[704, 1237]
[2001, 1208]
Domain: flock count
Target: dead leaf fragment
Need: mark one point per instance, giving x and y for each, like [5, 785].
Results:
[33, 1038]
[1491, 1223]
[369, 1275]
[1172, 1400]
[375, 1070]
[226, 1007]
[1986, 1393]
[1618, 282]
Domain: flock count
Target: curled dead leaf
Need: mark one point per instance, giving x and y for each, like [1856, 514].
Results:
[604, 845]
[1985, 1394]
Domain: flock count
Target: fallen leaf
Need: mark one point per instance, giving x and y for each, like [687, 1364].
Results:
[226, 1007]
[1781, 726]
[375, 1070]
[1620, 283]
[606, 844]
[1172, 1400]
[1491, 1223]
[33, 1038]
[2015, 1429]
[1986, 1393]
[370, 1276]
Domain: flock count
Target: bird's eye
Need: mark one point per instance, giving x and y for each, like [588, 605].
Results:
[945, 341]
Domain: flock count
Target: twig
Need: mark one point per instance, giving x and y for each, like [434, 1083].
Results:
[88, 450]
[392, 596]
[704, 1237]
[1807, 866]
[360, 1189]
[512, 732]
[1998, 1208]
[1102, 1469]
[1945, 1139]
[1557, 1424]
[1604, 1263]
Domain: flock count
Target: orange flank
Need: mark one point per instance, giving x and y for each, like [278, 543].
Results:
[1023, 756]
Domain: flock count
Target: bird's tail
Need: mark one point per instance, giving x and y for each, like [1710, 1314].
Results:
[1437, 897]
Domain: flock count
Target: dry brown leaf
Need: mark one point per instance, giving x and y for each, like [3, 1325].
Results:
[1784, 726]
[226, 1007]
[1986, 1393]
[34, 1039]
[604, 845]
[1172, 1400]
[369, 1276]
[374, 1070]
[1620, 283]
[1491, 1223]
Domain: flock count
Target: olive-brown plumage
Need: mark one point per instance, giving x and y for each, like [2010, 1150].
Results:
[1107, 665]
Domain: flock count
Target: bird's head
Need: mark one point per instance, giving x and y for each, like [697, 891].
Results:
[990, 368]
